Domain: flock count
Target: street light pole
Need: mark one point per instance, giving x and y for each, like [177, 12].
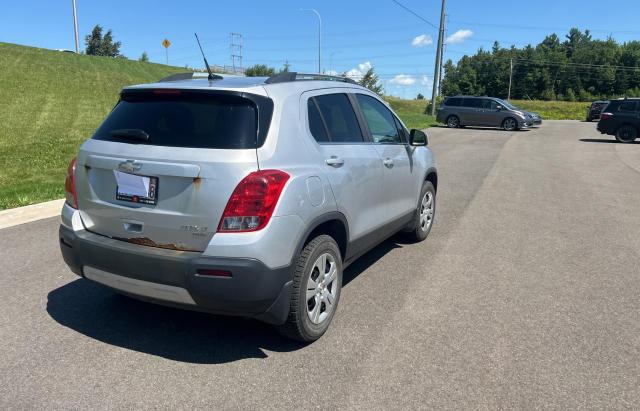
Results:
[510, 78]
[75, 25]
[436, 73]
[319, 36]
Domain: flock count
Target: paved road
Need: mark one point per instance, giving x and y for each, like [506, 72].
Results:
[526, 295]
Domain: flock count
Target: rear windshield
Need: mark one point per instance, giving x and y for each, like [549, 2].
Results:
[177, 118]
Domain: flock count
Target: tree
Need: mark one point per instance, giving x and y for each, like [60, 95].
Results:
[97, 45]
[419, 97]
[144, 57]
[259, 70]
[370, 81]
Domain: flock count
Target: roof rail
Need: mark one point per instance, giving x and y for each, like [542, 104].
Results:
[287, 76]
[184, 76]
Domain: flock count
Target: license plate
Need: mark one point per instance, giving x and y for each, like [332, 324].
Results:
[135, 188]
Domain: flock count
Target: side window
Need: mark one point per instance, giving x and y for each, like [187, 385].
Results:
[473, 102]
[489, 104]
[379, 119]
[316, 125]
[453, 102]
[339, 117]
[627, 106]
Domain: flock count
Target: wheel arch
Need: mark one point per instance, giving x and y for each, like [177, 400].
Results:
[432, 176]
[333, 224]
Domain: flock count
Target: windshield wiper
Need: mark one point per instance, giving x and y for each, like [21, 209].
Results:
[131, 134]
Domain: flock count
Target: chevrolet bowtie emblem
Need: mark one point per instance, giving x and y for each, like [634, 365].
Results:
[129, 166]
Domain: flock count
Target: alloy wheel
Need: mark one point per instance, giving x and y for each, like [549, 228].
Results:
[322, 288]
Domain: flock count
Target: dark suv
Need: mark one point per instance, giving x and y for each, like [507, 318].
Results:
[594, 110]
[621, 118]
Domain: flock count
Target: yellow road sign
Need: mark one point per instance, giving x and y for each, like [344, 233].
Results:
[166, 43]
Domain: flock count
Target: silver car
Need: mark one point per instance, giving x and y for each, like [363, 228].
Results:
[244, 196]
[460, 111]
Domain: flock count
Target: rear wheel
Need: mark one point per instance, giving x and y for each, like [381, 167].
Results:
[510, 124]
[317, 282]
[453, 122]
[626, 134]
[420, 226]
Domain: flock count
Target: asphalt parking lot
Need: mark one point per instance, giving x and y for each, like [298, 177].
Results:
[526, 295]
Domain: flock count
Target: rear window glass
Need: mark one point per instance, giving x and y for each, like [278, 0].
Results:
[183, 119]
[453, 102]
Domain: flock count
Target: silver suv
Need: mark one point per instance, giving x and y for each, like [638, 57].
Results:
[244, 196]
[460, 111]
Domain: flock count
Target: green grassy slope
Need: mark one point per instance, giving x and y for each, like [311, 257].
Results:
[555, 110]
[49, 103]
[411, 112]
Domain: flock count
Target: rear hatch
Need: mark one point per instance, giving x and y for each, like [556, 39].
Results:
[160, 169]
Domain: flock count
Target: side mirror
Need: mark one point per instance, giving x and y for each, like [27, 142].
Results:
[499, 107]
[418, 138]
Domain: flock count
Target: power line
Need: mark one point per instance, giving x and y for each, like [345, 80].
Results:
[415, 14]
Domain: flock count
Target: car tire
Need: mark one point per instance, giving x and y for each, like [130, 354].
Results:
[299, 324]
[420, 227]
[626, 133]
[453, 122]
[510, 124]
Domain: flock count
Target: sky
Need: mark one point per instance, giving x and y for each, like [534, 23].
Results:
[355, 34]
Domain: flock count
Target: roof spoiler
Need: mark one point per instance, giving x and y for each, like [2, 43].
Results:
[287, 76]
[185, 76]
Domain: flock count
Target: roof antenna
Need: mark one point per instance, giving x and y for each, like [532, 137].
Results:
[211, 75]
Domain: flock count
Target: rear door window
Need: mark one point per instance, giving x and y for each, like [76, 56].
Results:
[628, 106]
[316, 124]
[453, 102]
[339, 118]
[472, 102]
[177, 118]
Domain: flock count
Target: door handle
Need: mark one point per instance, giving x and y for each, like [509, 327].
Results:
[388, 162]
[334, 161]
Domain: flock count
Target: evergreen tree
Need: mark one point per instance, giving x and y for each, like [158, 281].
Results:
[144, 57]
[97, 45]
[370, 80]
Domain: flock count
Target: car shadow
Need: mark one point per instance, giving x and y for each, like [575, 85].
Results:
[179, 335]
[603, 140]
[462, 129]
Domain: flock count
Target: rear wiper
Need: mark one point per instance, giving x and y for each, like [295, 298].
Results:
[131, 133]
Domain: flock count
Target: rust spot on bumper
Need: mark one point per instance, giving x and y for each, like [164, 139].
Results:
[196, 182]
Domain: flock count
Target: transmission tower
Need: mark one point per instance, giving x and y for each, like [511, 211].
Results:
[236, 52]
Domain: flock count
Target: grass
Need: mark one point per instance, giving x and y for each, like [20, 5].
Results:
[411, 112]
[555, 110]
[51, 103]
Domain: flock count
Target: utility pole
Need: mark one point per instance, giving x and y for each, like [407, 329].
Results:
[319, 37]
[75, 25]
[510, 77]
[236, 52]
[286, 65]
[436, 72]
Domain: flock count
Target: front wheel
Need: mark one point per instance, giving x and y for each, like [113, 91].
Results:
[510, 124]
[626, 134]
[420, 226]
[317, 282]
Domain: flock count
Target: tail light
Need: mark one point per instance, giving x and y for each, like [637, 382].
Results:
[70, 185]
[604, 116]
[252, 203]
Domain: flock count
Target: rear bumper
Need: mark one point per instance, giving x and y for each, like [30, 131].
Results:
[170, 277]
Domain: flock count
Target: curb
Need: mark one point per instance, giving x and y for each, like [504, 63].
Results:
[27, 214]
